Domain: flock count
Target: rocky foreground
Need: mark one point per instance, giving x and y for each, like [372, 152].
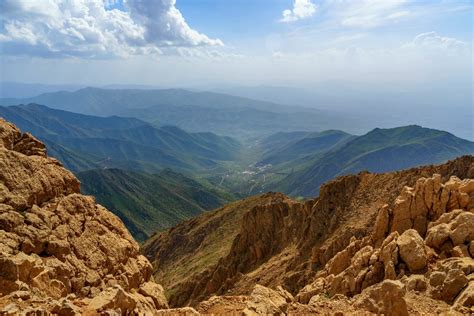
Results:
[395, 244]
[60, 252]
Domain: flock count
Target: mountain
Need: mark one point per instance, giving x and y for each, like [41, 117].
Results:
[105, 102]
[28, 90]
[365, 240]
[150, 202]
[193, 111]
[118, 142]
[299, 145]
[210, 237]
[380, 150]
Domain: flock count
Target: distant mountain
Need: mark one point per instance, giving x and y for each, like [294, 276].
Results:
[28, 90]
[192, 111]
[150, 202]
[381, 150]
[83, 141]
[299, 145]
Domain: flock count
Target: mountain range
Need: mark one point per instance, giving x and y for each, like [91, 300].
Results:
[193, 111]
[84, 141]
[380, 150]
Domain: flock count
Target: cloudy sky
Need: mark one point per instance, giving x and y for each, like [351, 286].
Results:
[246, 42]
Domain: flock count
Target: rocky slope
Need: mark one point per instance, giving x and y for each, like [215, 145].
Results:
[60, 252]
[366, 235]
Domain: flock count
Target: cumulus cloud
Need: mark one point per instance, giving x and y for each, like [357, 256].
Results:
[89, 28]
[302, 9]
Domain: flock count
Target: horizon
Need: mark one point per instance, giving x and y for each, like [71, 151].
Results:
[381, 59]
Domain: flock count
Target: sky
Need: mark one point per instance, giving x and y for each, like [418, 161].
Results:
[399, 58]
[246, 42]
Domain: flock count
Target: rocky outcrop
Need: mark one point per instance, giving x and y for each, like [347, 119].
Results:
[401, 274]
[439, 265]
[385, 298]
[60, 252]
[289, 243]
[261, 301]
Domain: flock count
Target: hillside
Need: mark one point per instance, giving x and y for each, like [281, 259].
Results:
[380, 150]
[299, 145]
[150, 202]
[116, 142]
[195, 244]
[323, 247]
[193, 111]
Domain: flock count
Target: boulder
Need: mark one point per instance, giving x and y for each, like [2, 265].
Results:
[412, 250]
[156, 292]
[385, 298]
[466, 298]
[113, 298]
[265, 301]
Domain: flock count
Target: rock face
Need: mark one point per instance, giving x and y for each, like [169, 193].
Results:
[408, 234]
[355, 225]
[59, 251]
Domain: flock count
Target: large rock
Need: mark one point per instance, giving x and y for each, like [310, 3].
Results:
[466, 298]
[412, 250]
[156, 292]
[114, 298]
[55, 242]
[385, 298]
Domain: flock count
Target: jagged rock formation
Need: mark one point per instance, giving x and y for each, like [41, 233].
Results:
[59, 251]
[426, 266]
[374, 223]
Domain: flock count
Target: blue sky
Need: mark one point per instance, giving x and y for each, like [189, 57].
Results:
[187, 42]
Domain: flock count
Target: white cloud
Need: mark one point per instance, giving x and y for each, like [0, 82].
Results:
[302, 9]
[88, 28]
[165, 25]
[372, 13]
[433, 41]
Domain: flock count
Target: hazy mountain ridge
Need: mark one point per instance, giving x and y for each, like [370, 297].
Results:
[123, 142]
[192, 111]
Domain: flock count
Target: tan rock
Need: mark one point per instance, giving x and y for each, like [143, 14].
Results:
[263, 301]
[412, 250]
[453, 284]
[385, 298]
[184, 311]
[112, 298]
[223, 305]
[416, 282]
[466, 297]
[310, 290]
[156, 292]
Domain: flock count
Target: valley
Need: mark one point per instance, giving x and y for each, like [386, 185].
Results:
[154, 176]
